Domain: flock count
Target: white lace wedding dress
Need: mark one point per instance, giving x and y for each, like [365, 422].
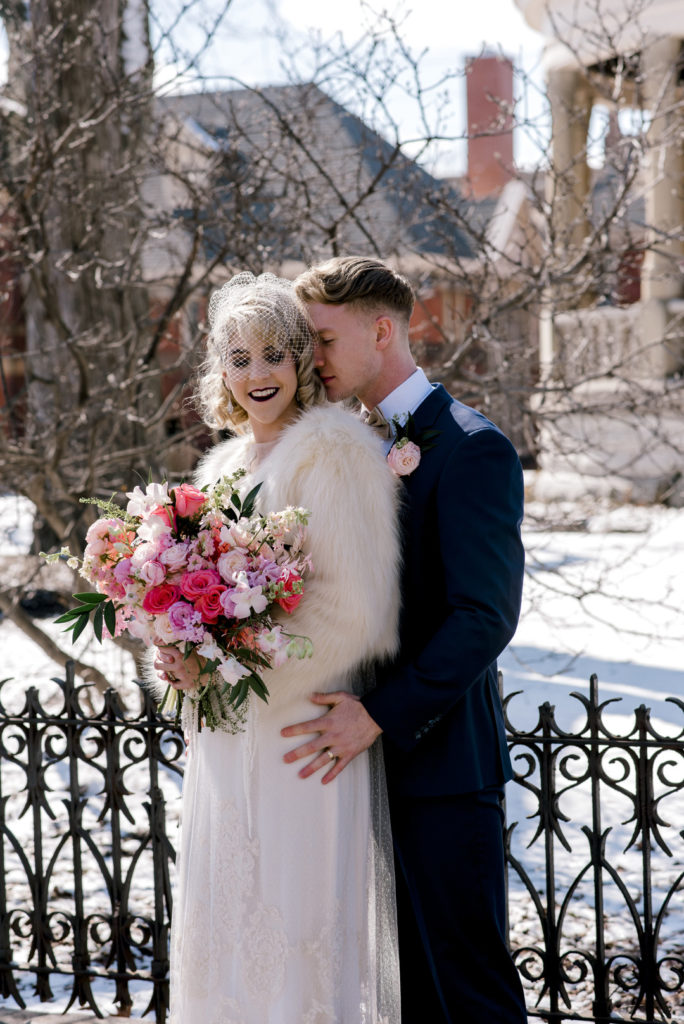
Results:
[284, 912]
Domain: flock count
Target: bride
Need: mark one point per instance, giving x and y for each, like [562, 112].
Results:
[284, 912]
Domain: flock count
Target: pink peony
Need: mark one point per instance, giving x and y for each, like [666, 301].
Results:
[404, 457]
[194, 584]
[209, 604]
[159, 599]
[188, 500]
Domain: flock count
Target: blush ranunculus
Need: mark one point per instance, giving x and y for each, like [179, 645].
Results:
[159, 599]
[289, 600]
[194, 584]
[209, 604]
[188, 500]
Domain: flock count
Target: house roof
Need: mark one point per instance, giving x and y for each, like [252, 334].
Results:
[321, 180]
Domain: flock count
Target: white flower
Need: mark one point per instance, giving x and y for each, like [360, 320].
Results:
[164, 630]
[209, 649]
[153, 527]
[143, 553]
[271, 640]
[141, 503]
[244, 599]
[232, 671]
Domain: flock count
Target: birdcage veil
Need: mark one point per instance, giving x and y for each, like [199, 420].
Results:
[257, 322]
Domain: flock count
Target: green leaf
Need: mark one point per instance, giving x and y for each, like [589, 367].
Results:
[98, 619]
[78, 628]
[242, 691]
[259, 688]
[110, 617]
[91, 598]
[75, 613]
[248, 503]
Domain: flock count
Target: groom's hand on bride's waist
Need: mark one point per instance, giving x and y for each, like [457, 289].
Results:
[343, 732]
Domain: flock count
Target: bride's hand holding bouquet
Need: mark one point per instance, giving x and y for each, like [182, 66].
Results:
[197, 574]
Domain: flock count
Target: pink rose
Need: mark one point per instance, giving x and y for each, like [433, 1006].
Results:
[209, 604]
[159, 599]
[174, 557]
[403, 457]
[166, 514]
[231, 562]
[153, 572]
[194, 584]
[188, 500]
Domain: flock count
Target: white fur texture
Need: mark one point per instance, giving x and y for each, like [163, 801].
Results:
[332, 464]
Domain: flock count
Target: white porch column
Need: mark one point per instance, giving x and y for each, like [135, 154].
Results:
[662, 277]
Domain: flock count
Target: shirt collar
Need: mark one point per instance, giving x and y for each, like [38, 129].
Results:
[406, 398]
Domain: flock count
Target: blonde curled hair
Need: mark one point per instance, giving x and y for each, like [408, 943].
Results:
[265, 309]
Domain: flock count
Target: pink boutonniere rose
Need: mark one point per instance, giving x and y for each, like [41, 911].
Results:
[403, 457]
[405, 454]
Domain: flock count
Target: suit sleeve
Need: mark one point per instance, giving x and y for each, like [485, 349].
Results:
[478, 499]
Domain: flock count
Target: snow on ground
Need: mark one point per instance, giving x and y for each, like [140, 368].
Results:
[603, 594]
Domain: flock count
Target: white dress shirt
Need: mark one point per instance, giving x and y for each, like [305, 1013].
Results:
[404, 400]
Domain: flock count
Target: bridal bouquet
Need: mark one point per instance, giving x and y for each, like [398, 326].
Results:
[201, 571]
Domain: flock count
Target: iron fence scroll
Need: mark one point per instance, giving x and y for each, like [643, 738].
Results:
[89, 803]
[596, 863]
[85, 857]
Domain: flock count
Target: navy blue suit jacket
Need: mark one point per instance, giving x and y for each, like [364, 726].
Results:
[438, 701]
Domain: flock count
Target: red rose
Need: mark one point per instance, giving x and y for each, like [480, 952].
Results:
[194, 584]
[159, 599]
[289, 600]
[209, 605]
[188, 500]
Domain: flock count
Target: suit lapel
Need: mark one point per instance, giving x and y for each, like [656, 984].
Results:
[429, 410]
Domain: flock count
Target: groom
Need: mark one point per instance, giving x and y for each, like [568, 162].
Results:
[437, 704]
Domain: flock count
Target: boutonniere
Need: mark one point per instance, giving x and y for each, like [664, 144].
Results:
[405, 454]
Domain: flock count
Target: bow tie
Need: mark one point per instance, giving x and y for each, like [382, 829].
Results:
[377, 421]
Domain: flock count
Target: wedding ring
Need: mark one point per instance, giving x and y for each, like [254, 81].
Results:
[330, 754]
[171, 678]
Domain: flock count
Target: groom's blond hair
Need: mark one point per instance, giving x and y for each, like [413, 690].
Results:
[359, 281]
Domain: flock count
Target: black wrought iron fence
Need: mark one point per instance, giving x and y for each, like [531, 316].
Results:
[89, 800]
[596, 863]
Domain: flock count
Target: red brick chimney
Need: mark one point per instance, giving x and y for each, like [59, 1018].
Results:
[489, 91]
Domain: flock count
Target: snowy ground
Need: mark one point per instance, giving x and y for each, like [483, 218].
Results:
[604, 594]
